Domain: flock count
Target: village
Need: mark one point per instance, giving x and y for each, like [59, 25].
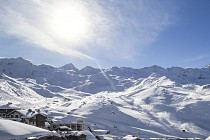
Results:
[76, 130]
[67, 131]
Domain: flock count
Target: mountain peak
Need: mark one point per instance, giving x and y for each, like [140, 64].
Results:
[89, 70]
[208, 66]
[18, 60]
[69, 66]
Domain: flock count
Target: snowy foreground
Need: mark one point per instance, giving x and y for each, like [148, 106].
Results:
[148, 102]
[11, 130]
[14, 130]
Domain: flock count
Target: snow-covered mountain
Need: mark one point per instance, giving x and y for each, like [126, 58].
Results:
[94, 80]
[149, 102]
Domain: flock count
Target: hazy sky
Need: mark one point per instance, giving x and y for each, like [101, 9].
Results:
[130, 33]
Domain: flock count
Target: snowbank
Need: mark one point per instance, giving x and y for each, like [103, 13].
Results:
[15, 130]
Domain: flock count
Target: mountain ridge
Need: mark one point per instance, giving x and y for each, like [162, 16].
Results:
[152, 101]
[88, 78]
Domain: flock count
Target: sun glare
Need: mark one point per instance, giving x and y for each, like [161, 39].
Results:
[69, 22]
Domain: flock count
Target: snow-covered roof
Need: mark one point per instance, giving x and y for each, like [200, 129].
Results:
[8, 106]
[29, 114]
[15, 130]
[64, 128]
[129, 137]
[89, 135]
[100, 132]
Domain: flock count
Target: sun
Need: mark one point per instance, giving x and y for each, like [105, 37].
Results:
[69, 22]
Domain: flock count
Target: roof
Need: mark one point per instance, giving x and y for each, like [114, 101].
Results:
[64, 128]
[100, 132]
[15, 130]
[130, 137]
[29, 114]
[89, 135]
[9, 106]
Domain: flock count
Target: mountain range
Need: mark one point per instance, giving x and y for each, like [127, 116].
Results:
[150, 101]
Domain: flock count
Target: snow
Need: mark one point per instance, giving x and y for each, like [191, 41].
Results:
[208, 138]
[30, 113]
[100, 132]
[129, 137]
[15, 130]
[8, 106]
[150, 102]
[89, 135]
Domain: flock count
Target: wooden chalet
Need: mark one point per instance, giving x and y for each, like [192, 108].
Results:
[35, 118]
[6, 109]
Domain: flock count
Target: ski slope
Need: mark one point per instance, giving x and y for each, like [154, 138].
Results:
[146, 102]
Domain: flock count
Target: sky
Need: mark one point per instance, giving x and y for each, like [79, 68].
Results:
[107, 33]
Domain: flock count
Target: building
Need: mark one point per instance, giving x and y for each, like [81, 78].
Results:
[79, 135]
[75, 136]
[78, 125]
[6, 109]
[35, 118]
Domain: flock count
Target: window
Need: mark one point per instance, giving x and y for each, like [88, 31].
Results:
[49, 138]
[16, 116]
[12, 116]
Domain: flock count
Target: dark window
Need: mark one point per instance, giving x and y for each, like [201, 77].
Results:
[11, 116]
[49, 138]
[16, 116]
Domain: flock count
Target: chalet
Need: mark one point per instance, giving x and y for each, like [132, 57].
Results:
[35, 118]
[7, 108]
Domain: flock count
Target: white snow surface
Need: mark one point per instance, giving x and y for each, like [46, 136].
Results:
[18, 131]
[146, 102]
[129, 137]
[208, 138]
